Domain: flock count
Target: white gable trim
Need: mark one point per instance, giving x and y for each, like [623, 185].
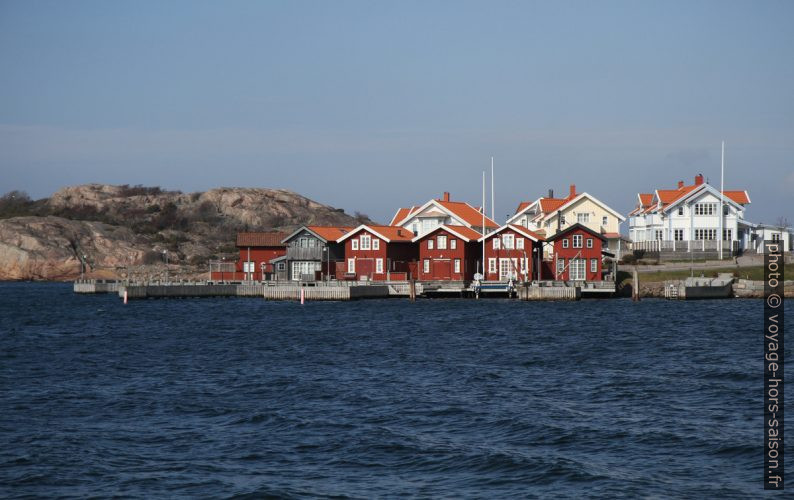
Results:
[522, 212]
[699, 190]
[359, 228]
[445, 228]
[593, 199]
[516, 228]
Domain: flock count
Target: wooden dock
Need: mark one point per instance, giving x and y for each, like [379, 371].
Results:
[266, 291]
[535, 292]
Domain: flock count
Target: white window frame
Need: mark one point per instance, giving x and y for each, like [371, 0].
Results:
[366, 242]
[457, 266]
[565, 242]
[593, 265]
[497, 243]
[583, 218]
[576, 241]
[354, 244]
[441, 242]
[705, 208]
[678, 234]
[431, 243]
[560, 266]
[426, 266]
[351, 266]
[728, 233]
[453, 244]
[508, 241]
[681, 210]
[379, 266]
[604, 220]
[491, 265]
[589, 243]
[376, 243]
[576, 270]
[658, 235]
[519, 243]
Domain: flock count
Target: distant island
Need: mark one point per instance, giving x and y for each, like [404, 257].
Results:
[111, 231]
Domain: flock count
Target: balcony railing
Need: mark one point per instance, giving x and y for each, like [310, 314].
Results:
[685, 246]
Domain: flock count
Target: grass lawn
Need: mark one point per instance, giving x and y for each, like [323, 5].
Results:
[750, 273]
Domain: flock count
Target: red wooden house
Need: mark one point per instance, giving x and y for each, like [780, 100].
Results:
[512, 252]
[577, 254]
[448, 253]
[256, 252]
[377, 253]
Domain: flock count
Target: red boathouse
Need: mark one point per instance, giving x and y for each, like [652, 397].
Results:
[577, 254]
[448, 253]
[377, 253]
[512, 252]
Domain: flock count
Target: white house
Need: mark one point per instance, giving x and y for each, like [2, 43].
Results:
[688, 219]
[422, 219]
[550, 215]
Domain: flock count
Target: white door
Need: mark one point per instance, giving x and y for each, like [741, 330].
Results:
[578, 269]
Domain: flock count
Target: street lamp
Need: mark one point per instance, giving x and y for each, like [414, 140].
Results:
[165, 252]
[328, 263]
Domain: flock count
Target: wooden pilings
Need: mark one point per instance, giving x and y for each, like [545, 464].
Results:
[635, 285]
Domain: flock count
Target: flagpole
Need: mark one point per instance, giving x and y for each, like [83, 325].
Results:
[722, 199]
[483, 225]
[493, 209]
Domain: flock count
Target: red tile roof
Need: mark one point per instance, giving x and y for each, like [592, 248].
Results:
[392, 233]
[739, 197]
[270, 239]
[466, 232]
[467, 213]
[523, 205]
[527, 232]
[646, 198]
[551, 204]
[401, 214]
[330, 233]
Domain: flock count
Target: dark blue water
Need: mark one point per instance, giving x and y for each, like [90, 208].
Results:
[455, 398]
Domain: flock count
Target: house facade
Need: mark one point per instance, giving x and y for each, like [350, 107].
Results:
[512, 253]
[549, 215]
[420, 220]
[448, 253]
[256, 250]
[577, 254]
[689, 219]
[311, 253]
[378, 253]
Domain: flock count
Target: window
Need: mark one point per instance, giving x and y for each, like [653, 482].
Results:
[582, 218]
[560, 266]
[577, 271]
[681, 210]
[496, 243]
[366, 242]
[426, 266]
[442, 242]
[491, 265]
[678, 234]
[604, 220]
[565, 243]
[589, 242]
[282, 266]
[379, 266]
[726, 210]
[577, 241]
[658, 235]
[457, 265]
[431, 244]
[249, 267]
[705, 234]
[705, 208]
[415, 228]
[775, 237]
[376, 244]
[351, 266]
[726, 234]
[354, 244]
[508, 240]
[520, 243]
[593, 265]
[453, 244]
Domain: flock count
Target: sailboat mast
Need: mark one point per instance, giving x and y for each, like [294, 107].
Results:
[493, 200]
[483, 223]
[722, 199]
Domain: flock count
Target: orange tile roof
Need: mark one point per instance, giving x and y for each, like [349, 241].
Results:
[393, 233]
[269, 239]
[466, 232]
[467, 213]
[401, 214]
[523, 205]
[738, 196]
[330, 233]
[551, 204]
[527, 232]
[646, 198]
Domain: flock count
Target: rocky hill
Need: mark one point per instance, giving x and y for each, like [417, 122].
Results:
[115, 230]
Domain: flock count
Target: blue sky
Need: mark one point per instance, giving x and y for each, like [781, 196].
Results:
[374, 105]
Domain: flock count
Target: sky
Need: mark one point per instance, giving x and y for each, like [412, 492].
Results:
[373, 105]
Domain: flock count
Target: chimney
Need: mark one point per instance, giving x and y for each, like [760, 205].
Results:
[572, 190]
[680, 184]
[698, 179]
[551, 193]
[446, 196]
